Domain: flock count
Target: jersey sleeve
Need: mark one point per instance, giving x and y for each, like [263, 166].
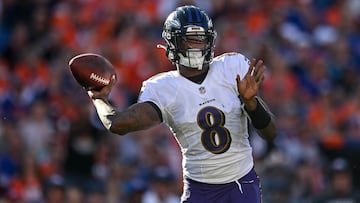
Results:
[237, 64]
[151, 92]
[230, 65]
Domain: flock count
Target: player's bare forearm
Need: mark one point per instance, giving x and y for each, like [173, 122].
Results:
[269, 132]
[262, 118]
[139, 116]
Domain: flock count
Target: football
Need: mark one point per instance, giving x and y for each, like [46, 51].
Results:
[91, 71]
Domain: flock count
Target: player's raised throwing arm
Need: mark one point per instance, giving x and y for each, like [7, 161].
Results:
[139, 116]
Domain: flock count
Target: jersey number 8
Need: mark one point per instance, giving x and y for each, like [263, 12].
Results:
[214, 137]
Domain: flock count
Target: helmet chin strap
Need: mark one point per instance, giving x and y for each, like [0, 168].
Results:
[160, 46]
[194, 60]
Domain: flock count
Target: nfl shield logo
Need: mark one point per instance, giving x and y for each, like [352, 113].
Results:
[202, 90]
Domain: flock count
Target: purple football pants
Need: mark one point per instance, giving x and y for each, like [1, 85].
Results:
[246, 189]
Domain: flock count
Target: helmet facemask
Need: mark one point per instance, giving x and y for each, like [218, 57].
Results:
[192, 49]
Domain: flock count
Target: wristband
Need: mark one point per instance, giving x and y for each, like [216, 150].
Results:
[259, 117]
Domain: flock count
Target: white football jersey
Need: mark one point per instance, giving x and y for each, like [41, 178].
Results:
[206, 119]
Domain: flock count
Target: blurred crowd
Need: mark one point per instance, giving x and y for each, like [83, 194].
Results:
[54, 149]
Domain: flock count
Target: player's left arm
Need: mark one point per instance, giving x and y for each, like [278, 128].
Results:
[262, 119]
[259, 114]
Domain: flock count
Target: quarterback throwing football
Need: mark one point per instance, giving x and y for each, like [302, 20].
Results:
[207, 102]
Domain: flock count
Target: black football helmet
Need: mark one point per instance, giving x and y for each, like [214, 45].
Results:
[189, 22]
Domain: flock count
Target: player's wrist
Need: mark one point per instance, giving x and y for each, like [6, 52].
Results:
[250, 104]
[105, 111]
[259, 116]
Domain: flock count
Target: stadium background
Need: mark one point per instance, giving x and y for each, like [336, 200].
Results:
[52, 144]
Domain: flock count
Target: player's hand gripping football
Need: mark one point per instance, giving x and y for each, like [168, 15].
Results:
[249, 86]
[104, 92]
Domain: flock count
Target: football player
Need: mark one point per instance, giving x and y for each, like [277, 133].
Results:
[207, 102]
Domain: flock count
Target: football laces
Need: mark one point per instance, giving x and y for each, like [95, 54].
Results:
[99, 79]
